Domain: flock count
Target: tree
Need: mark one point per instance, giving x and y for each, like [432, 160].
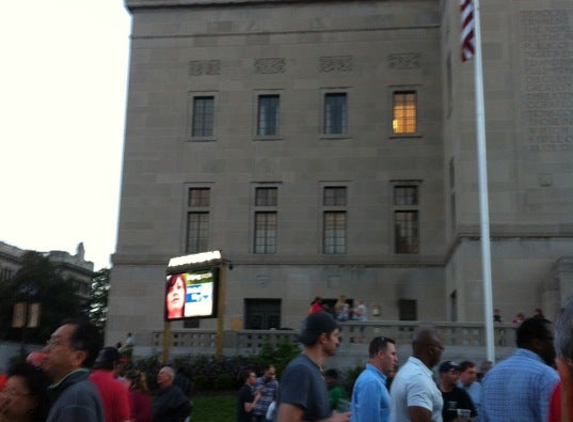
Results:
[97, 311]
[37, 281]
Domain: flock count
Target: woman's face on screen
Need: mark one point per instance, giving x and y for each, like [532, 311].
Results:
[176, 298]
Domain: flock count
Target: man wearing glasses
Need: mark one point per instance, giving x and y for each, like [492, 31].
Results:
[370, 398]
[414, 397]
[68, 355]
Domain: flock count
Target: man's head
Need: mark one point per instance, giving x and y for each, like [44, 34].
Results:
[249, 377]
[468, 373]
[449, 374]
[165, 377]
[427, 346]
[270, 372]
[382, 353]
[320, 330]
[564, 349]
[107, 359]
[535, 334]
[73, 345]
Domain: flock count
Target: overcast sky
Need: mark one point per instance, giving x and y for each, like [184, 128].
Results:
[62, 98]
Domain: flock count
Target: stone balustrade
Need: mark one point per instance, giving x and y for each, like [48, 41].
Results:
[461, 339]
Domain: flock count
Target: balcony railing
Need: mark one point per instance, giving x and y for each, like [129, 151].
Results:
[460, 334]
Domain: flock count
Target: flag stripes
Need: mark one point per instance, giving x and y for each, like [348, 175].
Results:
[467, 42]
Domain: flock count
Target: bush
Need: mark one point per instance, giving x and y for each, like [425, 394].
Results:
[278, 355]
[201, 383]
[209, 373]
[349, 377]
[225, 382]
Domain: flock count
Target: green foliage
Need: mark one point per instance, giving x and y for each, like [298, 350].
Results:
[349, 377]
[97, 306]
[278, 355]
[202, 383]
[37, 281]
[211, 374]
[224, 382]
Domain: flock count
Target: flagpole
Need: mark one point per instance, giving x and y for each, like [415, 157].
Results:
[483, 188]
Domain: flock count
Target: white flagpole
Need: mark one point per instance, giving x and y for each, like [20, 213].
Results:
[483, 187]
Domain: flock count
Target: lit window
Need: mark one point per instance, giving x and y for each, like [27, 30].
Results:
[404, 112]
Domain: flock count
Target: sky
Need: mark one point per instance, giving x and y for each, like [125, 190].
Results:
[63, 85]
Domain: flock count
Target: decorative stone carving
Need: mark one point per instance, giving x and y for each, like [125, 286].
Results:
[270, 66]
[204, 67]
[263, 281]
[336, 63]
[404, 61]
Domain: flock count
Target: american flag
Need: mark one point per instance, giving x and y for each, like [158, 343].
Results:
[467, 44]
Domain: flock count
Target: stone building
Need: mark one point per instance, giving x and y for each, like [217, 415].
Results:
[69, 266]
[329, 148]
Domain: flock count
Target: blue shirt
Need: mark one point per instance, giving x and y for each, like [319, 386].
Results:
[518, 389]
[370, 398]
[474, 391]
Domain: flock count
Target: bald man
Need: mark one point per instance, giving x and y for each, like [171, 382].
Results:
[171, 404]
[414, 396]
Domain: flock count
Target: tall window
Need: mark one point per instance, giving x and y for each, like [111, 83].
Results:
[404, 112]
[265, 220]
[335, 113]
[268, 115]
[198, 202]
[203, 116]
[334, 220]
[406, 227]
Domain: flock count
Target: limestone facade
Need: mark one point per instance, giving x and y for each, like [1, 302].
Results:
[307, 202]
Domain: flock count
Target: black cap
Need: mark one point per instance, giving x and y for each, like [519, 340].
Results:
[314, 325]
[108, 354]
[448, 366]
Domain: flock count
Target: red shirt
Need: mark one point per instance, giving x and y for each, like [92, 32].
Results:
[140, 406]
[555, 405]
[113, 395]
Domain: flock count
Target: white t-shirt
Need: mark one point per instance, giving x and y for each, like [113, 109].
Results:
[414, 386]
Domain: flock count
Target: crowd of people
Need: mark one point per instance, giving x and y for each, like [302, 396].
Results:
[343, 310]
[75, 379]
[535, 384]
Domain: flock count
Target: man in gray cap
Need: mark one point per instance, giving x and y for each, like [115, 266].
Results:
[113, 393]
[303, 395]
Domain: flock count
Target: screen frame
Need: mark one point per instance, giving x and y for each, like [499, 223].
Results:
[186, 272]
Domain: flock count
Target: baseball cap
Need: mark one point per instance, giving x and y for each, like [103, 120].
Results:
[108, 354]
[449, 365]
[314, 325]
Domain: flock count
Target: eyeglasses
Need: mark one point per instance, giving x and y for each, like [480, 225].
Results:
[55, 342]
[442, 348]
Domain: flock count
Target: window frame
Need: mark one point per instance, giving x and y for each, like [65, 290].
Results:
[200, 210]
[192, 113]
[405, 90]
[277, 116]
[403, 207]
[334, 201]
[345, 130]
[265, 205]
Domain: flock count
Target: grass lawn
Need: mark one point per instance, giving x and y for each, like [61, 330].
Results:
[214, 407]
